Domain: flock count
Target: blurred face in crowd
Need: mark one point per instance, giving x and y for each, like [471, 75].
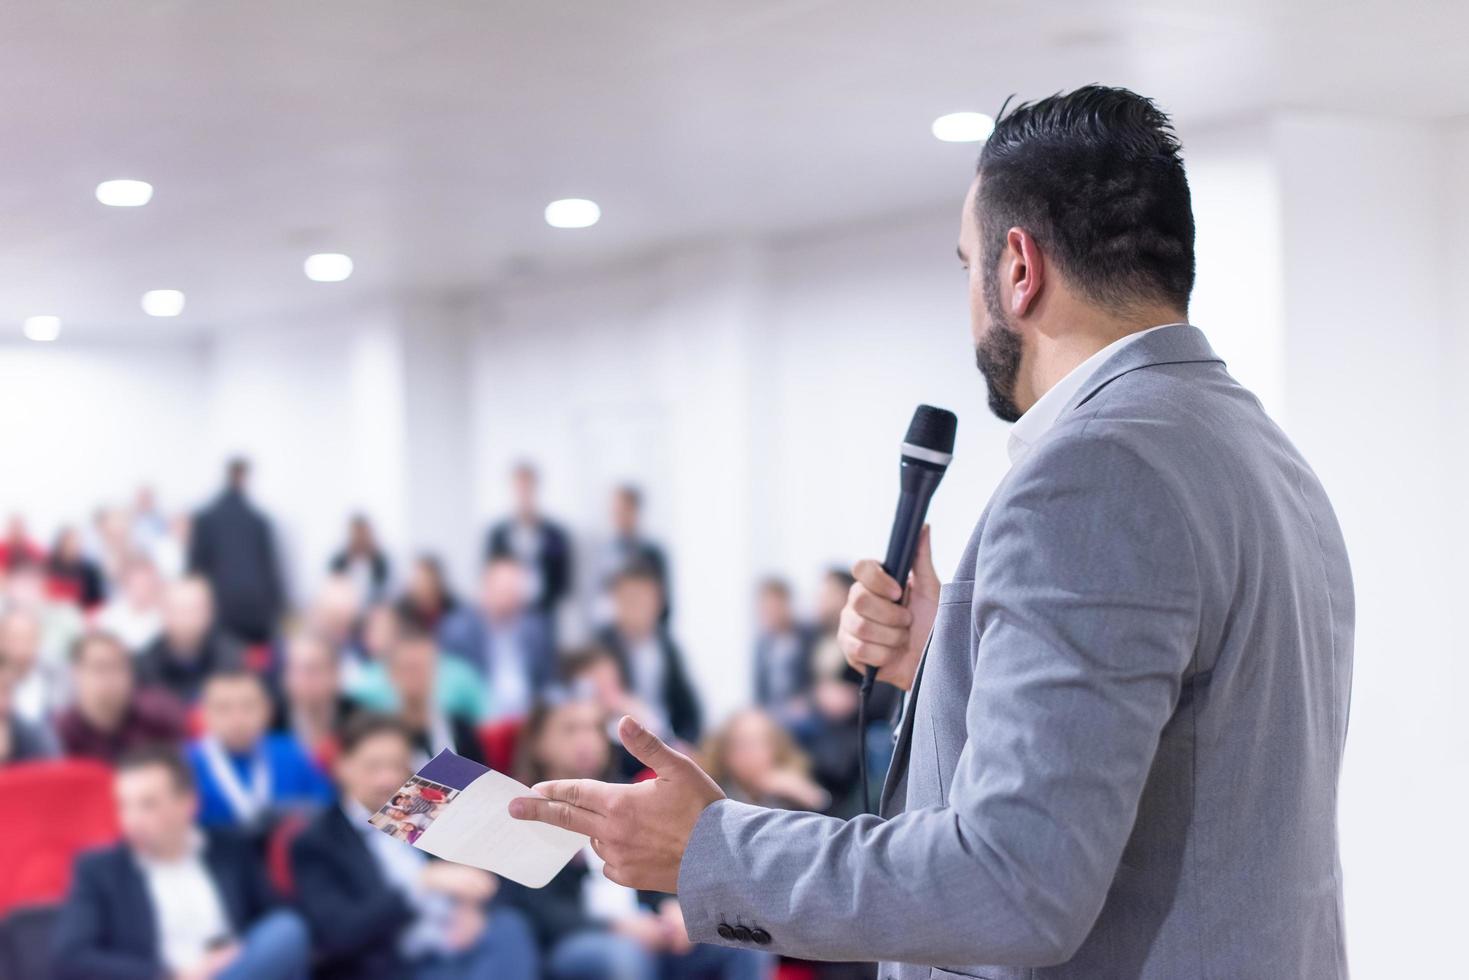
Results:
[359, 537]
[188, 613]
[625, 512]
[103, 678]
[372, 772]
[637, 602]
[236, 711]
[379, 631]
[424, 588]
[144, 502]
[573, 742]
[502, 589]
[15, 529]
[523, 484]
[600, 680]
[310, 676]
[141, 586]
[773, 610]
[411, 668]
[335, 610]
[750, 747]
[20, 642]
[27, 587]
[831, 598]
[155, 813]
[69, 545]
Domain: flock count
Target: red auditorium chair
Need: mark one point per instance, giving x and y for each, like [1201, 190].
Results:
[497, 740]
[56, 810]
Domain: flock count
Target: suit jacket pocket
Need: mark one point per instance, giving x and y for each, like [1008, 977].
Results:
[986, 973]
[954, 592]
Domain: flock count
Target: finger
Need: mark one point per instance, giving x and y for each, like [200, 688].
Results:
[614, 876]
[557, 814]
[869, 605]
[870, 631]
[646, 747]
[924, 576]
[869, 573]
[585, 794]
[601, 849]
[861, 654]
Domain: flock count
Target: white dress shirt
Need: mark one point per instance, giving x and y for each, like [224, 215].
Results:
[402, 865]
[1036, 422]
[187, 909]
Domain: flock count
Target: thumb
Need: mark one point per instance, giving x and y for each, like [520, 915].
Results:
[646, 747]
[924, 578]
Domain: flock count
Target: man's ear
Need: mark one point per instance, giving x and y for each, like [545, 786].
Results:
[1025, 270]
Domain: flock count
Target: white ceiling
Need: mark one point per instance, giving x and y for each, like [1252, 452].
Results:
[424, 138]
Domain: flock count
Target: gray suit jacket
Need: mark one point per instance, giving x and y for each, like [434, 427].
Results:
[1120, 755]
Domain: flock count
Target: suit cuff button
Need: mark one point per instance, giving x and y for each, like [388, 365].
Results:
[742, 934]
[759, 937]
[726, 931]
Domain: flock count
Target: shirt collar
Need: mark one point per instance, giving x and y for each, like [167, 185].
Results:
[1036, 422]
[193, 851]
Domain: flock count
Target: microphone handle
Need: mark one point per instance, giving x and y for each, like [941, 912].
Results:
[919, 483]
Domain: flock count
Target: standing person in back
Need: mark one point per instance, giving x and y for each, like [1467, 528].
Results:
[233, 547]
[1120, 753]
[652, 665]
[505, 638]
[541, 545]
[629, 544]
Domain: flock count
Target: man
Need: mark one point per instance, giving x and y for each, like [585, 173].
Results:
[651, 663]
[189, 649]
[233, 547]
[629, 545]
[438, 699]
[313, 707]
[110, 714]
[782, 652]
[36, 687]
[1120, 753]
[47, 629]
[21, 740]
[246, 776]
[541, 545]
[381, 910]
[170, 900]
[505, 639]
[135, 614]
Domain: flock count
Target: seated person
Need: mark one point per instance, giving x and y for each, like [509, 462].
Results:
[430, 694]
[37, 689]
[504, 638]
[173, 901]
[754, 760]
[190, 647]
[590, 927]
[135, 614]
[382, 910]
[246, 776]
[458, 691]
[110, 714]
[313, 707]
[20, 740]
[782, 653]
[652, 666]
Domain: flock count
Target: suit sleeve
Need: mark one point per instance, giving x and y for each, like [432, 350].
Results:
[77, 943]
[1087, 604]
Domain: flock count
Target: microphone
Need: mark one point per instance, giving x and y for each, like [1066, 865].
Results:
[926, 452]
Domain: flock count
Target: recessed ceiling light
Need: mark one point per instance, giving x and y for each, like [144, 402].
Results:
[328, 267]
[572, 212]
[42, 328]
[125, 193]
[163, 302]
[963, 127]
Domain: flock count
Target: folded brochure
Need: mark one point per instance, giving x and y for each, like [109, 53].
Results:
[458, 810]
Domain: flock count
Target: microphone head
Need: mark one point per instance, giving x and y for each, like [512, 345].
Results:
[932, 430]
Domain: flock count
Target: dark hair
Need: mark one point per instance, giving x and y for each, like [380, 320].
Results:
[578, 660]
[237, 672]
[525, 766]
[369, 724]
[163, 756]
[94, 636]
[775, 584]
[632, 493]
[1096, 177]
[637, 569]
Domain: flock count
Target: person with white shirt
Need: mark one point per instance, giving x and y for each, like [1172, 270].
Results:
[135, 614]
[171, 900]
[380, 909]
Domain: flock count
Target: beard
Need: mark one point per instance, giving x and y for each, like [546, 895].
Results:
[997, 355]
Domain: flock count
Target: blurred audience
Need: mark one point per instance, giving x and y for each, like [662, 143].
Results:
[590, 927]
[71, 575]
[190, 648]
[232, 546]
[651, 664]
[312, 708]
[439, 699]
[427, 598]
[629, 545]
[56, 626]
[110, 715]
[35, 690]
[783, 648]
[17, 545]
[134, 614]
[541, 545]
[755, 760]
[21, 740]
[171, 900]
[362, 561]
[509, 642]
[379, 910]
[246, 775]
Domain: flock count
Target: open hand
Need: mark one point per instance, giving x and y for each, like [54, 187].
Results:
[640, 830]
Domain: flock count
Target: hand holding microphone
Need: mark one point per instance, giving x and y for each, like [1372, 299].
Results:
[883, 627]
